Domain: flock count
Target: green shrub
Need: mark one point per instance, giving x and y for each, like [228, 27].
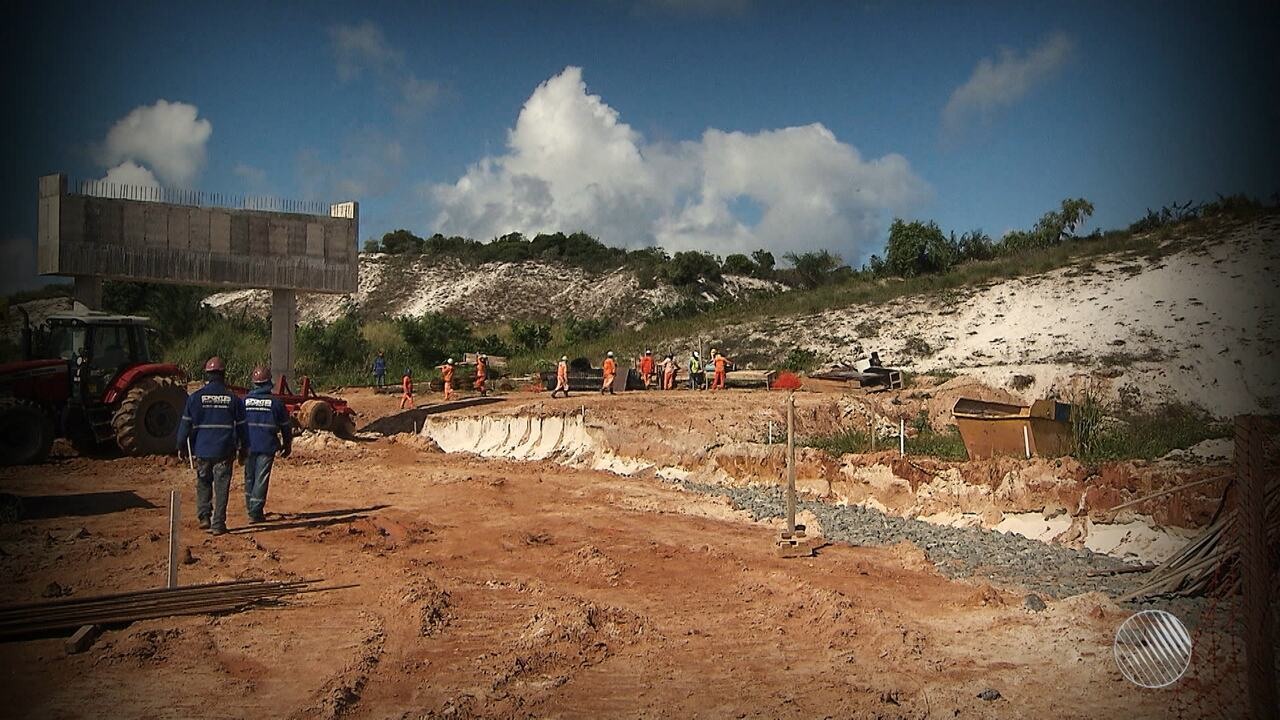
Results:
[690, 266]
[738, 264]
[433, 337]
[800, 360]
[579, 331]
[336, 349]
[241, 343]
[530, 336]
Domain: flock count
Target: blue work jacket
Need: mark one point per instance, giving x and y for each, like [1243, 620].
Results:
[265, 419]
[213, 421]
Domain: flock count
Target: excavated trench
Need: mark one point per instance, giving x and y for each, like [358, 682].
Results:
[1050, 501]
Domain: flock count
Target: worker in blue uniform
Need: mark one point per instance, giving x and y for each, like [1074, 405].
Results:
[211, 432]
[268, 431]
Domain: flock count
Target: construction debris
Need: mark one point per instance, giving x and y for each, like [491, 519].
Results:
[868, 373]
[17, 621]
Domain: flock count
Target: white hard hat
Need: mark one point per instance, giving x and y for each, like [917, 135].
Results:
[564, 358]
[482, 356]
[610, 353]
[449, 361]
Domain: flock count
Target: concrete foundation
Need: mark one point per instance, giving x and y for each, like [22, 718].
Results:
[284, 324]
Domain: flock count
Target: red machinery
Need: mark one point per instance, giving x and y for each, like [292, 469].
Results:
[309, 410]
[93, 381]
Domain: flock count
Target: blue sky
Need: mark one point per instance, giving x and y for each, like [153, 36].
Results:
[721, 125]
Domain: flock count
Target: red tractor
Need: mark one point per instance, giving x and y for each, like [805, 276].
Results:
[96, 385]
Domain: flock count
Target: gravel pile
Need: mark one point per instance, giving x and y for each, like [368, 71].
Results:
[1003, 559]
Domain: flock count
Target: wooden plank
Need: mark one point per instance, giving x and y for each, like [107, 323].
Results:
[82, 639]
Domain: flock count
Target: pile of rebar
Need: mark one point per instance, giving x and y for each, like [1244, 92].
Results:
[1210, 563]
[68, 614]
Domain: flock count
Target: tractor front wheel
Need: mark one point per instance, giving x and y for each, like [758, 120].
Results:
[147, 421]
[26, 432]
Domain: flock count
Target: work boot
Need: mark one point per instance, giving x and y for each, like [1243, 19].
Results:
[219, 530]
[203, 523]
[258, 518]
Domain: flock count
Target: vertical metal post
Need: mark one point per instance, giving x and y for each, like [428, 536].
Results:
[871, 429]
[770, 432]
[791, 463]
[173, 539]
[1026, 441]
[902, 437]
[1255, 566]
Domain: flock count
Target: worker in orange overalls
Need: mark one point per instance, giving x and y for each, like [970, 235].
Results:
[406, 386]
[668, 373]
[646, 368]
[721, 363]
[610, 368]
[562, 376]
[446, 373]
[482, 372]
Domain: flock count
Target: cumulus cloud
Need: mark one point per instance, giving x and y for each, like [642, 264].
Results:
[573, 164]
[254, 177]
[997, 83]
[130, 173]
[167, 140]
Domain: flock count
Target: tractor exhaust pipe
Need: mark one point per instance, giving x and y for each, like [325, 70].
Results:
[26, 333]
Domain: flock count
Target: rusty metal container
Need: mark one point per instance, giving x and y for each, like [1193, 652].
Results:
[989, 428]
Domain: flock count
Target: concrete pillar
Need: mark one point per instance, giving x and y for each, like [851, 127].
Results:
[284, 322]
[88, 291]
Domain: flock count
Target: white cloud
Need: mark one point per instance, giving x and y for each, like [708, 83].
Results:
[361, 47]
[572, 164]
[168, 138]
[1000, 82]
[367, 163]
[128, 173]
[254, 177]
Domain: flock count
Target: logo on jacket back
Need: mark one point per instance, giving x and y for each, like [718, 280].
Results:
[255, 403]
[217, 400]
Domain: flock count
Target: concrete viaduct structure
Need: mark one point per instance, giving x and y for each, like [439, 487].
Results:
[157, 235]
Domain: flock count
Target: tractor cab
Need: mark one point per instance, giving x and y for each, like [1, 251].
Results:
[98, 347]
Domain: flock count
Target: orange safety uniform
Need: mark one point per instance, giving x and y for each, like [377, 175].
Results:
[646, 369]
[447, 374]
[562, 379]
[406, 398]
[717, 382]
[668, 374]
[610, 368]
[482, 372]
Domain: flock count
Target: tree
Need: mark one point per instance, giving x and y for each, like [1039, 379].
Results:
[764, 262]
[974, 245]
[739, 264]
[812, 269]
[690, 266]
[579, 331]
[373, 245]
[917, 248]
[401, 242]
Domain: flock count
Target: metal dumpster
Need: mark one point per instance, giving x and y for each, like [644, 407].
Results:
[990, 428]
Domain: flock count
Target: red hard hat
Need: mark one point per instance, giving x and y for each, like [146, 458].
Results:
[260, 374]
[215, 364]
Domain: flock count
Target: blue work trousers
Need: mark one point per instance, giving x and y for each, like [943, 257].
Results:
[257, 478]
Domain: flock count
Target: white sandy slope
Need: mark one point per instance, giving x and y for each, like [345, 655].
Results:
[1199, 326]
[491, 292]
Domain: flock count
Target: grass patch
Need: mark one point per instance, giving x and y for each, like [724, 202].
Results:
[1143, 435]
[941, 445]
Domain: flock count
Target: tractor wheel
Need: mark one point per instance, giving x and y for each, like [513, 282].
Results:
[315, 415]
[147, 421]
[26, 432]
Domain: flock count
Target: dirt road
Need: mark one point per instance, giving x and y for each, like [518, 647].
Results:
[489, 588]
